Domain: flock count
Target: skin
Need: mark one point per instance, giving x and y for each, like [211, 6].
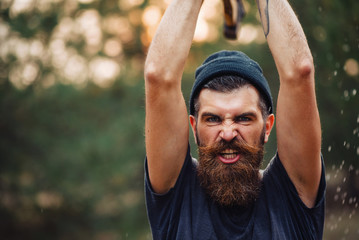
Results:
[230, 115]
[298, 124]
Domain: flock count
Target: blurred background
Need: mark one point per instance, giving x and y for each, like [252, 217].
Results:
[72, 110]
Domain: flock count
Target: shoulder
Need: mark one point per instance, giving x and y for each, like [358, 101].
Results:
[276, 178]
[188, 168]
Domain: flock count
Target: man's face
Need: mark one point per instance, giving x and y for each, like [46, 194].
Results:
[230, 132]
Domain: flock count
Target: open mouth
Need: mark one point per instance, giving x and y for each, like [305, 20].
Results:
[229, 156]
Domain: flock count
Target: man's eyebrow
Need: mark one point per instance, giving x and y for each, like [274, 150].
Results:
[209, 114]
[247, 114]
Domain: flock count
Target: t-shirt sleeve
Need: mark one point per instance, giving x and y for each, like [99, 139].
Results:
[283, 177]
[163, 209]
[287, 198]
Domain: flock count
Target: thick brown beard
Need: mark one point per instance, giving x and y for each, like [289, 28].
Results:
[236, 184]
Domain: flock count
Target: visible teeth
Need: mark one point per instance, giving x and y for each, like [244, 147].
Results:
[228, 151]
[229, 154]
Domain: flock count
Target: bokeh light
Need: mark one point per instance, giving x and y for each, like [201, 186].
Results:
[351, 67]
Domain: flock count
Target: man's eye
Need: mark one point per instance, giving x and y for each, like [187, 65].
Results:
[242, 119]
[213, 119]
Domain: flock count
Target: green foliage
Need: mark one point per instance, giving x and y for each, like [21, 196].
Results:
[72, 163]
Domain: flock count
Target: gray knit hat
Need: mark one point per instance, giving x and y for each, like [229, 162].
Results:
[230, 63]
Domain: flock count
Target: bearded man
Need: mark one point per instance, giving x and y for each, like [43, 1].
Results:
[225, 195]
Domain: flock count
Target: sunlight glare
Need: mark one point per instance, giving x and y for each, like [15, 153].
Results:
[111, 24]
[151, 16]
[247, 34]
[76, 70]
[202, 31]
[59, 54]
[21, 6]
[119, 26]
[210, 10]
[4, 31]
[22, 76]
[351, 67]
[126, 5]
[30, 73]
[89, 24]
[104, 71]
[36, 49]
[65, 27]
[209, 16]
[85, 1]
[112, 47]
[21, 48]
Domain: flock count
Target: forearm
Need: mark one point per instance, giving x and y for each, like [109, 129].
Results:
[286, 39]
[298, 124]
[166, 114]
[171, 44]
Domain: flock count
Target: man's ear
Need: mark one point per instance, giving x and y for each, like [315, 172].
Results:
[193, 123]
[269, 123]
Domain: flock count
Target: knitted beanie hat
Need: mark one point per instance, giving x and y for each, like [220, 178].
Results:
[230, 63]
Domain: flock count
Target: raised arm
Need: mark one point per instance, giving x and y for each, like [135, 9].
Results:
[298, 124]
[166, 127]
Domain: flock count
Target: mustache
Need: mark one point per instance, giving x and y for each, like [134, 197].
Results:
[238, 145]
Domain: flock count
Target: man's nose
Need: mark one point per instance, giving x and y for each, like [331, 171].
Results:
[228, 133]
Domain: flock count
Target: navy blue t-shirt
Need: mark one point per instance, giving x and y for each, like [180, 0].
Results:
[186, 212]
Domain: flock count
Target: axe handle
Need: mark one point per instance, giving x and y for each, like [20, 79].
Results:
[231, 25]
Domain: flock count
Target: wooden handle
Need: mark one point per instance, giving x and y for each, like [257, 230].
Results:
[232, 24]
